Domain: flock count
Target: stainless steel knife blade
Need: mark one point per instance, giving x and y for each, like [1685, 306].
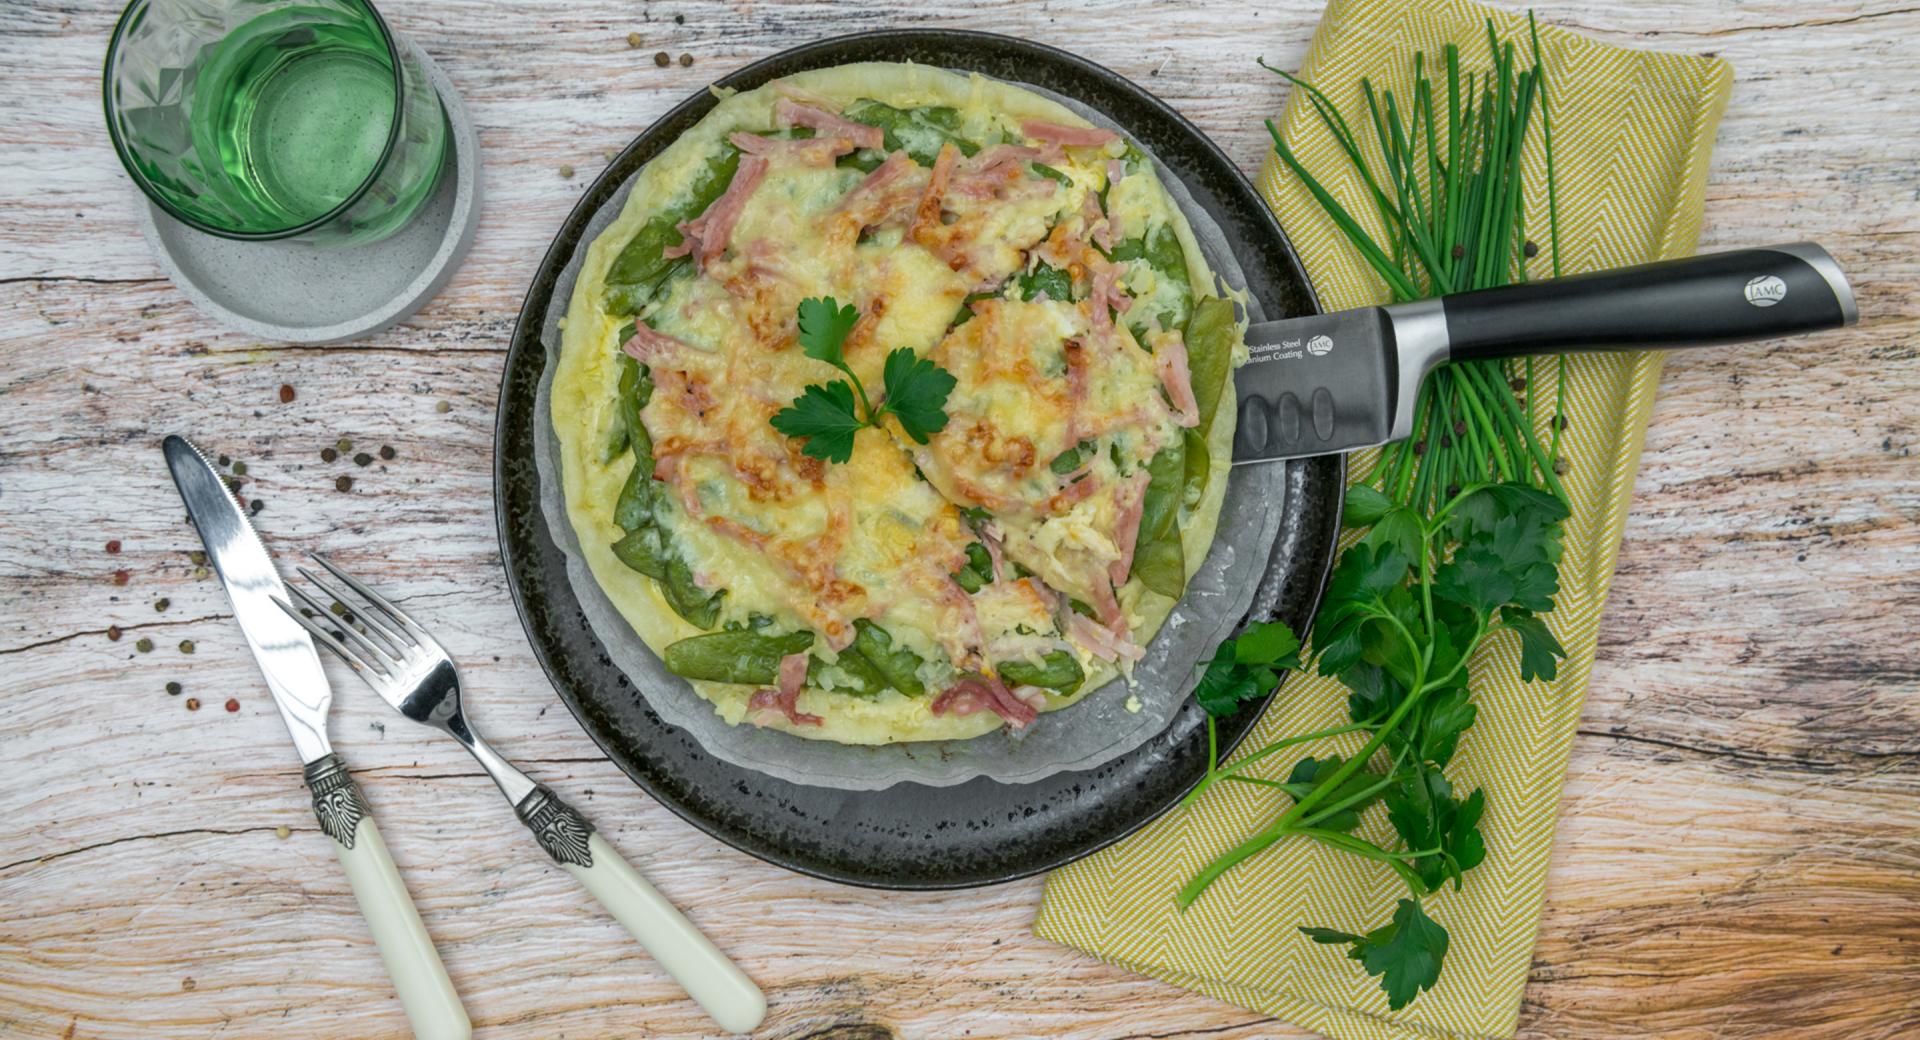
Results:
[1330, 382]
[282, 648]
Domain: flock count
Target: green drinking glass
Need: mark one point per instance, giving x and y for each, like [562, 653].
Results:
[274, 119]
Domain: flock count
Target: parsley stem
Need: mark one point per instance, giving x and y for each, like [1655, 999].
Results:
[1218, 773]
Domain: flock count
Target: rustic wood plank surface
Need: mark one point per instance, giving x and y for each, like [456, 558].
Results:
[1739, 852]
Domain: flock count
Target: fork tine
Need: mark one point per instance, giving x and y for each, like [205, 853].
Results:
[379, 601]
[399, 645]
[388, 660]
[365, 671]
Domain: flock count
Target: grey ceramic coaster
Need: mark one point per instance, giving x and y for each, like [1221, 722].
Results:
[295, 293]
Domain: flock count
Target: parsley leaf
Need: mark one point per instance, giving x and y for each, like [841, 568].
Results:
[824, 416]
[827, 416]
[917, 392]
[824, 326]
[1247, 668]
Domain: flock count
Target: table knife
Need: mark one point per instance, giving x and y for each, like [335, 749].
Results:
[1348, 380]
[286, 657]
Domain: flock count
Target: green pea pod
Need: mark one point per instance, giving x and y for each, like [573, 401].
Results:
[1161, 250]
[1057, 671]
[918, 131]
[617, 439]
[858, 677]
[1199, 462]
[633, 510]
[643, 265]
[979, 569]
[1209, 336]
[1054, 175]
[1159, 561]
[645, 550]
[899, 666]
[745, 656]
[700, 607]
[1045, 278]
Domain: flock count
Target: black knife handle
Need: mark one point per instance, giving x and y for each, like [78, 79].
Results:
[1718, 298]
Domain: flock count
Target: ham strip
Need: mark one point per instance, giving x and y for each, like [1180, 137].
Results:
[926, 214]
[806, 151]
[1067, 136]
[705, 236]
[1106, 296]
[1102, 641]
[1170, 358]
[985, 692]
[786, 699]
[883, 193]
[1132, 496]
[646, 345]
[789, 113]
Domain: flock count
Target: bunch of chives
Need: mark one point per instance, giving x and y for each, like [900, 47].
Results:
[1449, 192]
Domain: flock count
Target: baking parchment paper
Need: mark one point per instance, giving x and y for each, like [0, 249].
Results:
[1103, 725]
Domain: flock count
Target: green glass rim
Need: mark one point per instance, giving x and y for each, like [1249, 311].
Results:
[133, 10]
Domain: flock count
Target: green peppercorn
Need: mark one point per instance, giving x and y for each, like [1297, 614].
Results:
[186, 646]
[145, 645]
[173, 689]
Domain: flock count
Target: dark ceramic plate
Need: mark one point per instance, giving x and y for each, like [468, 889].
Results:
[908, 836]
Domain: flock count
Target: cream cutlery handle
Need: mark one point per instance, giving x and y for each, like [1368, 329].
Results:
[714, 982]
[433, 1008]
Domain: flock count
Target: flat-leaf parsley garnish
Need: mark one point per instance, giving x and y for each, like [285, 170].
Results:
[827, 415]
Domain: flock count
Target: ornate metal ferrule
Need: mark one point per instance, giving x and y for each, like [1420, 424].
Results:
[557, 827]
[336, 798]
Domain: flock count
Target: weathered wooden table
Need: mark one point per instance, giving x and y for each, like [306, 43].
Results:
[1739, 851]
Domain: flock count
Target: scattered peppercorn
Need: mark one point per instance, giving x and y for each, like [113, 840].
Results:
[286, 393]
[1519, 384]
[161, 604]
[1560, 421]
[1446, 441]
[120, 576]
[344, 483]
[233, 704]
[1419, 447]
[686, 61]
[200, 574]
[1459, 427]
[1459, 251]
[239, 469]
[282, 832]
[633, 39]
[443, 407]
[1530, 249]
[225, 461]
[1560, 467]
[187, 984]
[198, 557]
[186, 646]
[662, 59]
[256, 506]
[113, 545]
[566, 171]
[113, 633]
[362, 459]
[1452, 490]
[328, 455]
[679, 19]
[343, 445]
[173, 689]
[387, 452]
[145, 645]
[193, 704]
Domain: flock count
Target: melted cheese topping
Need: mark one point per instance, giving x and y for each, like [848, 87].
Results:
[818, 546]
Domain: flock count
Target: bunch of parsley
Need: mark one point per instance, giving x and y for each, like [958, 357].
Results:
[1464, 521]
[825, 415]
[1408, 605]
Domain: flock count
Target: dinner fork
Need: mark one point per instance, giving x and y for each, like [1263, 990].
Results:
[414, 674]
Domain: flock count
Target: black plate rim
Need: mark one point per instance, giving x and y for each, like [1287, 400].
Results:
[599, 193]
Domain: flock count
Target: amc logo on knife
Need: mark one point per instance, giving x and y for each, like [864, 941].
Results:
[1765, 291]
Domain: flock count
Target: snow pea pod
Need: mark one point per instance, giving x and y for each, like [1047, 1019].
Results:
[1158, 558]
[744, 656]
[700, 607]
[643, 265]
[898, 666]
[1057, 671]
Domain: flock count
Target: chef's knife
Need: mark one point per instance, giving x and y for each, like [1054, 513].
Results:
[1348, 380]
[292, 669]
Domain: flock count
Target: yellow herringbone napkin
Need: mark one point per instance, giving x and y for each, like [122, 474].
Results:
[1632, 136]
